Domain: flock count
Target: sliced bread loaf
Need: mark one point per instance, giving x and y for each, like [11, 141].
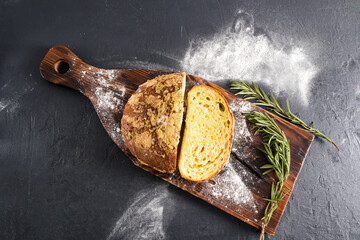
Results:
[152, 121]
[206, 144]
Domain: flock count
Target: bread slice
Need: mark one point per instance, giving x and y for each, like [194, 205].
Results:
[152, 121]
[208, 134]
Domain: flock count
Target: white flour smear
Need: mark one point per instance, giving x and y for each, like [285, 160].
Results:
[242, 53]
[11, 104]
[110, 101]
[242, 135]
[144, 218]
[228, 186]
[108, 97]
[241, 130]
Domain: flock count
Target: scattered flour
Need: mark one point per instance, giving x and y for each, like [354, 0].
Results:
[110, 101]
[110, 74]
[241, 130]
[11, 103]
[162, 120]
[228, 186]
[108, 97]
[244, 53]
[242, 135]
[4, 104]
[144, 218]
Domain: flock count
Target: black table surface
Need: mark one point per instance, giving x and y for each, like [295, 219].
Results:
[61, 177]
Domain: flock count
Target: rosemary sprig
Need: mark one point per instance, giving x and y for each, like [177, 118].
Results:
[272, 104]
[277, 152]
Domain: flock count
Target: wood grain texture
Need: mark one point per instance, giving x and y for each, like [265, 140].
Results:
[123, 82]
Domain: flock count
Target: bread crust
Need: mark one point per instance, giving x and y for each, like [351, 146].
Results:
[152, 121]
[227, 156]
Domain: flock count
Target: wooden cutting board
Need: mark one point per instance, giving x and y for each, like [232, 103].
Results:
[239, 188]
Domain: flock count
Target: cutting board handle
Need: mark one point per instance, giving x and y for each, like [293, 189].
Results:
[61, 66]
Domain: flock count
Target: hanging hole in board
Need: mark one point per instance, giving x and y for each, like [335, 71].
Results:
[61, 66]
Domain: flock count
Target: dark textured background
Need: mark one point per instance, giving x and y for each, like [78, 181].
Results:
[61, 177]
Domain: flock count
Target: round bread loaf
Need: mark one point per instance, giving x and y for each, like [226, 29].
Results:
[152, 121]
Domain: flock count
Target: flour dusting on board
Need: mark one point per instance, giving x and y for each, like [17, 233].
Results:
[144, 218]
[242, 135]
[241, 129]
[247, 53]
[108, 96]
[110, 100]
[228, 186]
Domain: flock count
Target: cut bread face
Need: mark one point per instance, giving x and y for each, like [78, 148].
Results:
[208, 134]
[152, 121]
